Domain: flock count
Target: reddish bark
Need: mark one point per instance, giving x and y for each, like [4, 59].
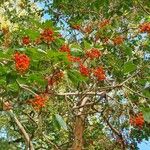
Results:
[79, 127]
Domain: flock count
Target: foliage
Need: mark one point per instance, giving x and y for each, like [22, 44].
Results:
[82, 89]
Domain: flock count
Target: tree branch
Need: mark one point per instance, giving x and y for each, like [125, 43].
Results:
[22, 129]
[135, 92]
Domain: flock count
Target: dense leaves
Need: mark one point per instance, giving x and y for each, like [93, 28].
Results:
[79, 79]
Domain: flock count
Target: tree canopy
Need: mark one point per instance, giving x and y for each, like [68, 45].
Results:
[77, 79]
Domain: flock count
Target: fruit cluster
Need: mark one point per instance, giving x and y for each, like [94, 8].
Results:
[104, 23]
[84, 70]
[65, 48]
[22, 62]
[38, 102]
[99, 73]
[118, 40]
[145, 27]
[47, 35]
[137, 121]
[93, 53]
[26, 40]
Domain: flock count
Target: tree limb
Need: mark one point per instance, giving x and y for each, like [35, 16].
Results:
[23, 131]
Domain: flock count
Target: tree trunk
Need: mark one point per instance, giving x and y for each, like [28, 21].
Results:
[78, 133]
[79, 128]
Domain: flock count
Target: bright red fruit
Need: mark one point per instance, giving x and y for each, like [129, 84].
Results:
[65, 48]
[118, 40]
[137, 121]
[73, 58]
[22, 62]
[93, 53]
[26, 40]
[145, 27]
[84, 70]
[38, 102]
[104, 23]
[99, 73]
[47, 35]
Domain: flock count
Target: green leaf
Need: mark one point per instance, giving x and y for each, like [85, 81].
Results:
[38, 78]
[75, 76]
[129, 67]
[57, 56]
[76, 47]
[11, 78]
[146, 92]
[47, 24]
[146, 113]
[32, 34]
[127, 50]
[13, 87]
[3, 70]
[86, 44]
[61, 122]
[36, 54]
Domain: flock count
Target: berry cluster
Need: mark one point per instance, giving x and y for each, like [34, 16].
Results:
[93, 53]
[145, 27]
[65, 48]
[84, 70]
[47, 35]
[73, 58]
[99, 73]
[38, 102]
[22, 62]
[118, 40]
[26, 40]
[137, 121]
[104, 23]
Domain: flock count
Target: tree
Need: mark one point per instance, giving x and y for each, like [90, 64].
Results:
[85, 89]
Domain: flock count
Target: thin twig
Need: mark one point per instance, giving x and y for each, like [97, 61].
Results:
[143, 7]
[135, 92]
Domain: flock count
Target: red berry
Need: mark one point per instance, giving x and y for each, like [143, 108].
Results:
[39, 101]
[84, 70]
[65, 48]
[22, 62]
[99, 73]
[93, 53]
[26, 40]
[137, 121]
[145, 27]
[47, 35]
[118, 40]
